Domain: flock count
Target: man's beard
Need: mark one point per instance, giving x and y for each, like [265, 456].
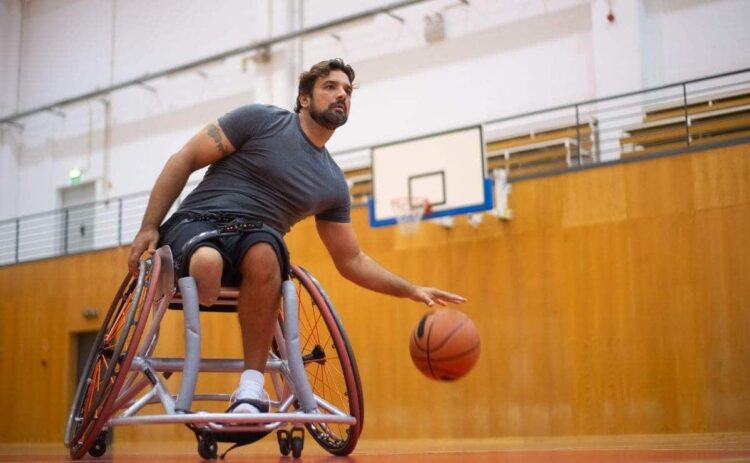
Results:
[329, 118]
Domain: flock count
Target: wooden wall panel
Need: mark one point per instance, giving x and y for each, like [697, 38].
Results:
[657, 188]
[590, 199]
[40, 309]
[723, 300]
[615, 301]
[722, 179]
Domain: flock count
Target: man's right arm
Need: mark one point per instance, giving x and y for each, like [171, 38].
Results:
[206, 147]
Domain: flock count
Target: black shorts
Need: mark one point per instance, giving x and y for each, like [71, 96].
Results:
[237, 236]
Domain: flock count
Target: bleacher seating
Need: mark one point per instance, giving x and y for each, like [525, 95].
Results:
[673, 125]
[555, 145]
[543, 148]
[360, 184]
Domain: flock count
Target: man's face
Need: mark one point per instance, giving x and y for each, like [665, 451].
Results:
[331, 99]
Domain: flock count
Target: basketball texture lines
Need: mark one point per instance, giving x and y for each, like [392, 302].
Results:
[445, 345]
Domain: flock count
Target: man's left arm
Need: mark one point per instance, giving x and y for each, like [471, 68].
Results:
[358, 267]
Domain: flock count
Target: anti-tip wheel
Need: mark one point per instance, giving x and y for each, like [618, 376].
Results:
[100, 445]
[297, 444]
[282, 435]
[207, 447]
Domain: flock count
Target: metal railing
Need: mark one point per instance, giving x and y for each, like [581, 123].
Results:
[75, 229]
[635, 125]
[654, 122]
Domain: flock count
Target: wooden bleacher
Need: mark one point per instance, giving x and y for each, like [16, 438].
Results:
[360, 184]
[543, 148]
[554, 146]
[710, 119]
[702, 104]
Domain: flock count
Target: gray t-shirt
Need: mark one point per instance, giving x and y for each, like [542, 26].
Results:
[276, 175]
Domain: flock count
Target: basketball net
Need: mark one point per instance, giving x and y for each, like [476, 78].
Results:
[409, 212]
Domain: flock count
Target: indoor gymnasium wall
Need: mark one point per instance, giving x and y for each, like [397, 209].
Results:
[495, 61]
[615, 302]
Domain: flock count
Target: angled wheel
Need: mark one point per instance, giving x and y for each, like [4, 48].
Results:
[207, 446]
[297, 445]
[329, 363]
[100, 445]
[282, 436]
[109, 360]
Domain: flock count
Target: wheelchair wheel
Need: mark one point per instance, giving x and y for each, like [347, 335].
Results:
[329, 363]
[109, 361]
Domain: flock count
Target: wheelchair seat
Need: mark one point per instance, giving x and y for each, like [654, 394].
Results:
[227, 301]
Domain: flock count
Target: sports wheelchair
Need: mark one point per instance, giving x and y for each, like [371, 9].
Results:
[314, 382]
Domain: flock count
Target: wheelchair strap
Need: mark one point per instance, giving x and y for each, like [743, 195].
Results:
[231, 226]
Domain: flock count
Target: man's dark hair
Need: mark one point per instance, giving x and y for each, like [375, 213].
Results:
[307, 79]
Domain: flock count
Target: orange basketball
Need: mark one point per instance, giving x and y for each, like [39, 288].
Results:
[445, 344]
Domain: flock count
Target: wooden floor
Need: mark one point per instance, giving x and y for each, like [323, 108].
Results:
[703, 448]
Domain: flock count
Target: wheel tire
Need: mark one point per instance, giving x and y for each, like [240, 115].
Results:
[297, 444]
[329, 363]
[114, 349]
[283, 438]
[100, 446]
[207, 448]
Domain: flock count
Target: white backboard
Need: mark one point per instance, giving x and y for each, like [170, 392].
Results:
[447, 169]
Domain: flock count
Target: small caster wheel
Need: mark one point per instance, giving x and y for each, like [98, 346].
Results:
[207, 447]
[100, 445]
[297, 441]
[297, 444]
[282, 435]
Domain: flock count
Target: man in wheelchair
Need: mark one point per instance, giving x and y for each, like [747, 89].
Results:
[268, 169]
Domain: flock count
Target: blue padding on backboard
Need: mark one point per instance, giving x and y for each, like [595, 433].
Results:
[486, 205]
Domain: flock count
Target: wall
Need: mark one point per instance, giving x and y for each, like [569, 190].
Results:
[694, 38]
[497, 59]
[10, 136]
[614, 302]
[10, 16]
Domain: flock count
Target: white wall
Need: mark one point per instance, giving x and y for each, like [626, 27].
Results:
[10, 136]
[488, 72]
[499, 58]
[10, 16]
[65, 49]
[694, 38]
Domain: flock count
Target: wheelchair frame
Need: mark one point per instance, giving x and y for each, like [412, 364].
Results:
[121, 365]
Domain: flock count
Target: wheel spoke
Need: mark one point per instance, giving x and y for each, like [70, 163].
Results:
[329, 374]
[108, 369]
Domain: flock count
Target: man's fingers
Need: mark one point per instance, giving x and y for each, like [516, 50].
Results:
[444, 297]
[144, 242]
[133, 265]
[432, 296]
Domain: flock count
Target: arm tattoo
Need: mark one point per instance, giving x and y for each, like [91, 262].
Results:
[215, 135]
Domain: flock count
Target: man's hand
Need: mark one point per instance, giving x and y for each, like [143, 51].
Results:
[145, 240]
[432, 295]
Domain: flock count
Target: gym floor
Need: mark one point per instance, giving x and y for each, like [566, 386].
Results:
[703, 448]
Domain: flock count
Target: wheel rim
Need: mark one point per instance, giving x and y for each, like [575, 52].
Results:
[117, 344]
[103, 369]
[329, 364]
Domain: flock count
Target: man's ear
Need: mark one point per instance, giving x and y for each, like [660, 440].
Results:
[304, 101]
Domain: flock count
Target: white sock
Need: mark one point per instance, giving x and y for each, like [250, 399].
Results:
[252, 375]
[251, 385]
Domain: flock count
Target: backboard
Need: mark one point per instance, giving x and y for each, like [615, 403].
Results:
[446, 168]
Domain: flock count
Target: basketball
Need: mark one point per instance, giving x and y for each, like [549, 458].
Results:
[445, 345]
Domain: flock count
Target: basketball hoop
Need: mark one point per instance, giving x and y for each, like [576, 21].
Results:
[409, 212]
